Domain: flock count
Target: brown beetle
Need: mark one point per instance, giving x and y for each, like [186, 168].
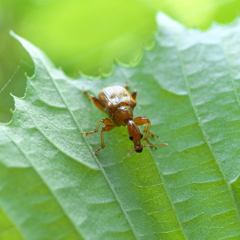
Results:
[119, 103]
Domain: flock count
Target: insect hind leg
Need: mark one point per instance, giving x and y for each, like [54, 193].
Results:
[95, 100]
[134, 93]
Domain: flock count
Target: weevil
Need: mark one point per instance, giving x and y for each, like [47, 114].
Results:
[118, 103]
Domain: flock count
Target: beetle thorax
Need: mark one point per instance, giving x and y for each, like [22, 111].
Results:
[122, 115]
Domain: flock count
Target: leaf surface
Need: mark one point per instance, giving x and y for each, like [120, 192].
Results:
[52, 186]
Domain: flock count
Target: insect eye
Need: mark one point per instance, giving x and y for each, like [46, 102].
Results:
[141, 136]
[131, 137]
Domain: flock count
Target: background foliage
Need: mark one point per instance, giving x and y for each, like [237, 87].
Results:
[87, 36]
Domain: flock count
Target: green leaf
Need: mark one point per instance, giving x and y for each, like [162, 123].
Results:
[52, 186]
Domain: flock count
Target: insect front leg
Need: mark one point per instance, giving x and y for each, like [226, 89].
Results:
[109, 125]
[149, 133]
[142, 121]
[104, 129]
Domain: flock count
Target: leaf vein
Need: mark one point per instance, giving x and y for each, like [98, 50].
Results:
[48, 187]
[96, 159]
[202, 128]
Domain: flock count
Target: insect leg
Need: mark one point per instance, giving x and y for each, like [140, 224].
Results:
[106, 121]
[104, 129]
[152, 134]
[134, 93]
[86, 94]
[95, 100]
[109, 125]
[97, 103]
[126, 86]
[143, 121]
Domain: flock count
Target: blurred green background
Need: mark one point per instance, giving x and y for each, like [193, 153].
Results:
[86, 36]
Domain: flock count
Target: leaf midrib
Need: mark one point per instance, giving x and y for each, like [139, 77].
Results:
[94, 156]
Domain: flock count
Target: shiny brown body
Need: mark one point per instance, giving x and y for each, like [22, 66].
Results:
[119, 103]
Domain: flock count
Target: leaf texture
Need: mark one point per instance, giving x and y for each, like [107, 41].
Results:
[52, 186]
